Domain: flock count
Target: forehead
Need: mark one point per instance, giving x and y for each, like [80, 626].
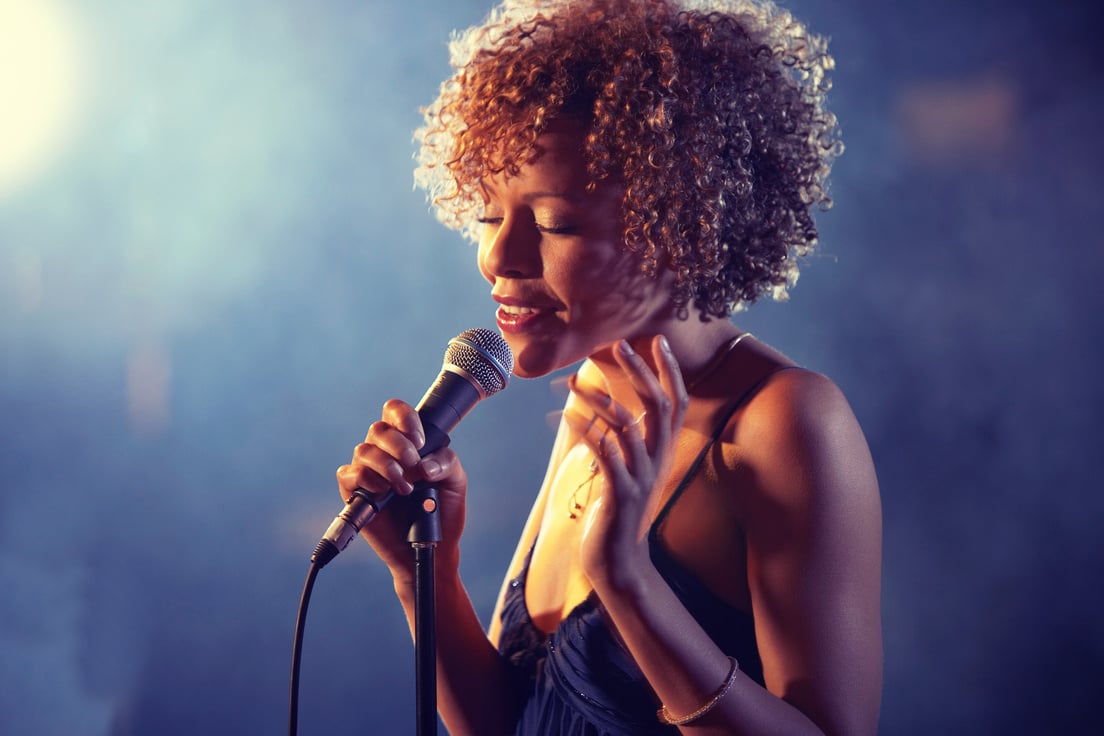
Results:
[556, 167]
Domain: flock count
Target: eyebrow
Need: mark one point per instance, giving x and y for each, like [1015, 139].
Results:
[530, 197]
[533, 196]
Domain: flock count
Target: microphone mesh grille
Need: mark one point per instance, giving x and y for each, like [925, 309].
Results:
[484, 355]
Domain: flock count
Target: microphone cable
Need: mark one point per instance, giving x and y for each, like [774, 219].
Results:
[297, 647]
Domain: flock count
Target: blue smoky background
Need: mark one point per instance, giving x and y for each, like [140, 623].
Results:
[214, 269]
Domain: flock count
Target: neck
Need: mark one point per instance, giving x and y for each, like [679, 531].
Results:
[695, 345]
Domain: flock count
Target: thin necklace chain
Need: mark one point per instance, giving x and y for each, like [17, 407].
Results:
[575, 507]
[717, 362]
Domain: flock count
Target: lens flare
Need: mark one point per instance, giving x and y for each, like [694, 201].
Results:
[41, 74]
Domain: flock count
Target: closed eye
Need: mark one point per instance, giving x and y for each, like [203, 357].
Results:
[558, 230]
[548, 229]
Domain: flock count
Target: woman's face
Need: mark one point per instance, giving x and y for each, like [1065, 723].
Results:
[552, 253]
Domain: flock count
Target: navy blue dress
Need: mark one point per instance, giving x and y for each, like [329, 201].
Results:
[580, 680]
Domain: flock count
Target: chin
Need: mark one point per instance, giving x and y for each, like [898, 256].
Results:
[530, 371]
[536, 361]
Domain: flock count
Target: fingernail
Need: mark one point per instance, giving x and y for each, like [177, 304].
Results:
[625, 348]
[419, 440]
[664, 344]
[431, 468]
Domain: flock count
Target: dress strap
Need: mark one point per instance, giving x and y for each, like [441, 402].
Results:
[693, 470]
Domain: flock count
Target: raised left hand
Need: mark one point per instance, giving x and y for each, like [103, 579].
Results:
[634, 457]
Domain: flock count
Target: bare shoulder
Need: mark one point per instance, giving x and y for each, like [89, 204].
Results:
[799, 434]
[796, 399]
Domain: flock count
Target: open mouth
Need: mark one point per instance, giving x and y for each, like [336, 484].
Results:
[512, 318]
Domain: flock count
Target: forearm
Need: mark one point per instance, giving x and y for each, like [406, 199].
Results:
[685, 667]
[475, 687]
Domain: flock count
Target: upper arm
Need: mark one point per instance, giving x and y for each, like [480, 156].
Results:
[814, 551]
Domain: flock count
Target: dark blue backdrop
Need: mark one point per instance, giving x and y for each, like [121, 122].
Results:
[209, 289]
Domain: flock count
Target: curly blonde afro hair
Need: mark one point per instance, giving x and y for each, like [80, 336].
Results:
[709, 114]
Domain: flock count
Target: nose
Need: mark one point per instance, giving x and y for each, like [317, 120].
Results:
[510, 249]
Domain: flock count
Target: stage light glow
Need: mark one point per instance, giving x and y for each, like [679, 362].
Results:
[40, 85]
[959, 122]
[149, 374]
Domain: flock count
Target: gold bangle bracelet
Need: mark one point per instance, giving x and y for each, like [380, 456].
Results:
[666, 717]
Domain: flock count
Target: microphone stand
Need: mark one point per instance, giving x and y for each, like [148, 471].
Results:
[425, 533]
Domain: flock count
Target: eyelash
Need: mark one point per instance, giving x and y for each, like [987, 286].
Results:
[562, 230]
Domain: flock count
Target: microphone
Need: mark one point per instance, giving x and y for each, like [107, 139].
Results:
[477, 364]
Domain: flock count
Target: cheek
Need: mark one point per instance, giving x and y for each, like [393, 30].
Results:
[617, 290]
[604, 271]
[481, 258]
[589, 262]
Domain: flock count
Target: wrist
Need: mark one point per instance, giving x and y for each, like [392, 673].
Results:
[631, 583]
[404, 577]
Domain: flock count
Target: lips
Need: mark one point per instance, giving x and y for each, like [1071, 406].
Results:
[518, 312]
[518, 315]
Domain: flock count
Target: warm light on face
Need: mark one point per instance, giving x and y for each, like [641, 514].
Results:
[39, 84]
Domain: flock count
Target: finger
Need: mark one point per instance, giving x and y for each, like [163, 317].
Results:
[382, 470]
[442, 468]
[618, 420]
[670, 378]
[393, 441]
[345, 481]
[351, 478]
[602, 405]
[596, 399]
[657, 403]
[405, 419]
[632, 448]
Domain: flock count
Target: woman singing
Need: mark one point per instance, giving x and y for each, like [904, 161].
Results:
[703, 555]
